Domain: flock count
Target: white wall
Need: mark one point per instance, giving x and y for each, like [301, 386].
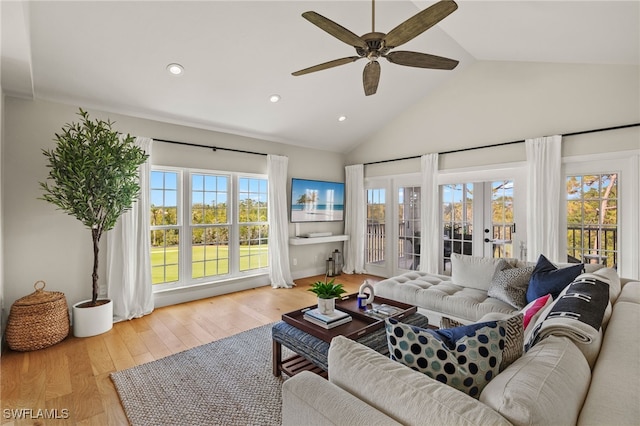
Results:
[3, 315]
[46, 244]
[496, 102]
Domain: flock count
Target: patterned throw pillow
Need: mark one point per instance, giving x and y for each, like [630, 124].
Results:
[514, 340]
[465, 358]
[510, 286]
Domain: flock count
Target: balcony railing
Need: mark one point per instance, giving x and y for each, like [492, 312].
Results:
[593, 244]
[605, 240]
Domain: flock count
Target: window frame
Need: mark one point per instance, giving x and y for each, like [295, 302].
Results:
[627, 164]
[178, 225]
[185, 226]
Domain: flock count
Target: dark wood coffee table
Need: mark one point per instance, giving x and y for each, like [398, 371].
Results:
[310, 342]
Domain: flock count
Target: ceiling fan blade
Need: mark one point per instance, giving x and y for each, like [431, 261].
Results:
[326, 65]
[421, 60]
[336, 30]
[371, 77]
[419, 23]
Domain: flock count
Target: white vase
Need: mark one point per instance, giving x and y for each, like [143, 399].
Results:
[326, 306]
[93, 320]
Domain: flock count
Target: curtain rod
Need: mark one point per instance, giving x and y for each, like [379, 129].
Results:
[583, 132]
[214, 148]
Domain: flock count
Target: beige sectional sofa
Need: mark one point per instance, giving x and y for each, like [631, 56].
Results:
[552, 383]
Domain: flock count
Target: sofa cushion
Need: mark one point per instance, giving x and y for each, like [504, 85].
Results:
[547, 279]
[466, 358]
[400, 392]
[306, 396]
[473, 271]
[630, 293]
[545, 386]
[438, 293]
[614, 390]
[510, 285]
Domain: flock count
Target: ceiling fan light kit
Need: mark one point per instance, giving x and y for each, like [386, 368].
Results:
[374, 45]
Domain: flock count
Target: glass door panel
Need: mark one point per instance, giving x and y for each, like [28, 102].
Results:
[376, 229]
[457, 221]
[408, 243]
[499, 234]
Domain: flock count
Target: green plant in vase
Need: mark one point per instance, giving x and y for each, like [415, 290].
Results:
[327, 293]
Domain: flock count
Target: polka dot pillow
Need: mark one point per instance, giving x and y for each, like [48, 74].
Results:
[467, 363]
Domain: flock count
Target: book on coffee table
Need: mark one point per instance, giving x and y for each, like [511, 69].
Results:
[325, 324]
[334, 316]
[327, 320]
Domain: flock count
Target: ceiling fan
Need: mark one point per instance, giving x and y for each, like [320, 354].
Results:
[374, 45]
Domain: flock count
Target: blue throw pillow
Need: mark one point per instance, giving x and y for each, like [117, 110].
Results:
[547, 279]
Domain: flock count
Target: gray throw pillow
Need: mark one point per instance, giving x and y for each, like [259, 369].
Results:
[510, 286]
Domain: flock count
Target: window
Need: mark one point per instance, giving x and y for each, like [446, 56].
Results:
[254, 228]
[209, 225]
[165, 232]
[224, 216]
[592, 218]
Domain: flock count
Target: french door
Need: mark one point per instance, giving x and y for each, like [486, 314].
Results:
[478, 219]
[393, 226]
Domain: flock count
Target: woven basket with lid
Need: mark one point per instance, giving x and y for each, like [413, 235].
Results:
[38, 320]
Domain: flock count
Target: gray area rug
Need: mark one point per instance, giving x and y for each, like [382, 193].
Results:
[226, 382]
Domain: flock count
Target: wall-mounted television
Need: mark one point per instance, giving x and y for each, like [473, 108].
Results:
[316, 201]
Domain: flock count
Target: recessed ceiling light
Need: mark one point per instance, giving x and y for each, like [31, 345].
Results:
[175, 69]
[274, 98]
[342, 118]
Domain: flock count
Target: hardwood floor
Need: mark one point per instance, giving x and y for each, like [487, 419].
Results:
[71, 381]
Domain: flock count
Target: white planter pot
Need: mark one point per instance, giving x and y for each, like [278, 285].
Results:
[326, 306]
[93, 320]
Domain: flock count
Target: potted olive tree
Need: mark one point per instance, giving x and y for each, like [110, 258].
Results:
[93, 176]
[327, 293]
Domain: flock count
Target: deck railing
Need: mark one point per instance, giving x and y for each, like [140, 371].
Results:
[606, 238]
[593, 244]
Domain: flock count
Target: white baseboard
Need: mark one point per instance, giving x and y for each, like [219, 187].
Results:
[188, 294]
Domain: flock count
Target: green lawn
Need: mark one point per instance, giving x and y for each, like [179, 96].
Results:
[214, 258]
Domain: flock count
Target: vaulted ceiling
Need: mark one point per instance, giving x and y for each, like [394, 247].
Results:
[112, 55]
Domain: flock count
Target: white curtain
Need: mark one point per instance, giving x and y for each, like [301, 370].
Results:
[545, 184]
[430, 233]
[128, 252]
[280, 273]
[355, 220]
